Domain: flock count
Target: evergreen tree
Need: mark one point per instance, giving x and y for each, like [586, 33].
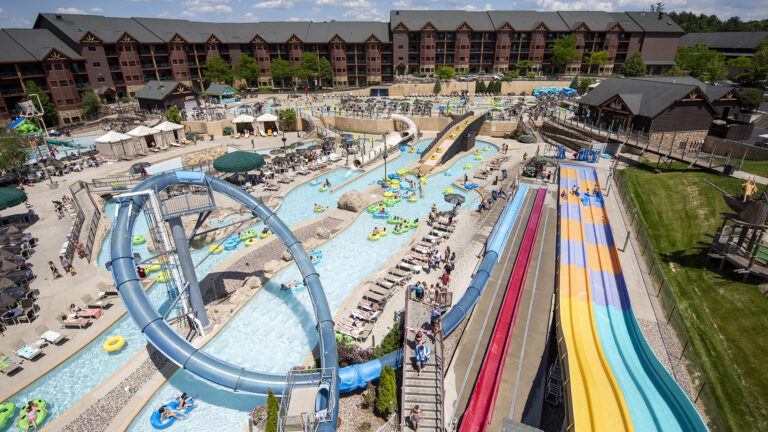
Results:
[387, 392]
[173, 115]
[51, 116]
[217, 71]
[584, 85]
[247, 69]
[272, 407]
[436, 89]
[480, 86]
[634, 66]
[392, 341]
[574, 83]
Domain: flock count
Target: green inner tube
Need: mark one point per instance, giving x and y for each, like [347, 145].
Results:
[412, 224]
[376, 207]
[401, 230]
[6, 411]
[139, 240]
[22, 423]
[389, 202]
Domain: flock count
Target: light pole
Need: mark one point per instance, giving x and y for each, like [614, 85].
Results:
[385, 156]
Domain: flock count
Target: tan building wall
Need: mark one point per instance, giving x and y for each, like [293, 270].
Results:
[380, 126]
[497, 129]
[208, 128]
[516, 87]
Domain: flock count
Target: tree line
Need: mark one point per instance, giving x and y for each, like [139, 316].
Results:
[312, 71]
[692, 23]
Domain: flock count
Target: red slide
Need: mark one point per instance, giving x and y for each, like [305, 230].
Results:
[480, 408]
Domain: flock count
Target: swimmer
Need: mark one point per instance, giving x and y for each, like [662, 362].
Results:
[168, 413]
[184, 401]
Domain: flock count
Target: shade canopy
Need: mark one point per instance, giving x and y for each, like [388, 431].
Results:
[238, 161]
[113, 137]
[167, 126]
[454, 198]
[243, 118]
[142, 131]
[10, 197]
[266, 117]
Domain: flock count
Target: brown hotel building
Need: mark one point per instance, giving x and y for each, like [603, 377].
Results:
[67, 55]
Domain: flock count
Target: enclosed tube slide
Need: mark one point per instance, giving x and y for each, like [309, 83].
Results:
[391, 140]
[175, 347]
[357, 376]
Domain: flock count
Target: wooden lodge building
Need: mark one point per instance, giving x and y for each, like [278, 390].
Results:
[667, 109]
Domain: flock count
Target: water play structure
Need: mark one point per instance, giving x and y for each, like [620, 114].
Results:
[613, 379]
[161, 335]
[392, 140]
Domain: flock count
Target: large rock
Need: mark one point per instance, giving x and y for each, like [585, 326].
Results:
[322, 233]
[252, 282]
[286, 256]
[352, 201]
[272, 266]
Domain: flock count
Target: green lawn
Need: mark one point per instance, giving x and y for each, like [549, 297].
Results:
[726, 320]
[755, 167]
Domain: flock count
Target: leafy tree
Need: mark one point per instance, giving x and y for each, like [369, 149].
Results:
[217, 71]
[392, 341]
[564, 51]
[309, 66]
[524, 65]
[51, 116]
[272, 407]
[701, 61]
[739, 62]
[757, 73]
[445, 72]
[480, 86]
[280, 70]
[325, 71]
[634, 66]
[287, 117]
[692, 23]
[13, 154]
[437, 88]
[675, 71]
[387, 392]
[173, 115]
[598, 58]
[584, 85]
[90, 103]
[247, 69]
[752, 97]
[510, 75]
[530, 75]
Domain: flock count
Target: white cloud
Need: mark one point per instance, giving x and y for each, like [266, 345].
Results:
[363, 4]
[488, 7]
[248, 16]
[163, 14]
[20, 22]
[197, 7]
[97, 10]
[401, 4]
[368, 14]
[71, 10]
[466, 8]
[3, 13]
[294, 19]
[274, 4]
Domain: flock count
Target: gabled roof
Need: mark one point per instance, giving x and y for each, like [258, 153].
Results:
[724, 40]
[38, 43]
[159, 90]
[217, 89]
[12, 52]
[349, 31]
[652, 22]
[643, 97]
[596, 20]
[627, 23]
[446, 20]
[193, 32]
[528, 20]
[713, 92]
[108, 29]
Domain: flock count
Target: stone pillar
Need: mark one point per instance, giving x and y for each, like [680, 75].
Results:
[188, 270]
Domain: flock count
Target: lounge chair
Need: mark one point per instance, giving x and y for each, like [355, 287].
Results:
[29, 312]
[25, 351]
[270, 187]
[65, 322]
[370, 305]
[89, 301]
[365, 315]
[49, 335]
[8, 366]
[374, 296]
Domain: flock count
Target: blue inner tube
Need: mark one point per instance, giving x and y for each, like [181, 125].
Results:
[381, 215]
[470, 185]
[394, 176]
[155, 421]
[231, 243]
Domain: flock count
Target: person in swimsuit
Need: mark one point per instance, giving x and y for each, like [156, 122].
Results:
[168, 413]
[31, 415]
[184, 401]
[416, 415]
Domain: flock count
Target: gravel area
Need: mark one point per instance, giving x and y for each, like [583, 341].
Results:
[352, 413]
[100, 414]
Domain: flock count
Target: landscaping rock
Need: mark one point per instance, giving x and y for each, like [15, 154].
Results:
[323, 233]
[252, 282]
[352, 201]
[286, 256]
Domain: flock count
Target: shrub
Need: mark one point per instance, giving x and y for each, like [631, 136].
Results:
[526, 139]
[364, 427]
[352, 354]
[125, 99]
[265, 89]
[272, 407]
[259, 414]
[192, 136]
[510, 75]
[387, 392]
[391, 342]
[530, 75]
[368, 396]
[227, 130]
[436, 89]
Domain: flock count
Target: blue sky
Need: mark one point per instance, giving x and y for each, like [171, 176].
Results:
[23, 13]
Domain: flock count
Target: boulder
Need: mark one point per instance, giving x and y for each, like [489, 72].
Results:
[252, 282]
[322, 233]
[286, 256]
[272, 266]
[310, 243]
[352, 201]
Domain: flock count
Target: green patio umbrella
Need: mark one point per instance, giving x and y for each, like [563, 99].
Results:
[10, 197]
[238, 161]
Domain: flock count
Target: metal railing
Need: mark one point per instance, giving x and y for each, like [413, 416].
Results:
[316, 378]
[701, 394]
[446, 129]
[88, 216]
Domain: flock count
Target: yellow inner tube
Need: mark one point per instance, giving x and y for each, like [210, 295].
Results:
[153, 267]
[322, 188]
[487, 148]
[395, 182]
[423, 179]
[478, 157]
[262, 235]
[387, 194]
[468, 166]
[413, 150]
[215, 249]
[373, 237]
[433, 157]
[251, 241]
[412, 198]
[113, 344]
[448, 190]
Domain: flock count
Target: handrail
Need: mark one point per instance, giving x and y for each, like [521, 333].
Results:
[446, 129]
[447, 155]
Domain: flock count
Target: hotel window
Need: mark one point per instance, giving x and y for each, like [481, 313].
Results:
[91, 48]
[96, 64]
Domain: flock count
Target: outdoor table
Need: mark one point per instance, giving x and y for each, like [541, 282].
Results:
[12, 314]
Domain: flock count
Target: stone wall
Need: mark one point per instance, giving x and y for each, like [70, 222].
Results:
[678, 139]
[208, 128]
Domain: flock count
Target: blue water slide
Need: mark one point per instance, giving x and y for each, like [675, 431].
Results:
[357, 376]
[175, 347]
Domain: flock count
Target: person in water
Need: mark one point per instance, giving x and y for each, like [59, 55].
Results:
[327, 183]
[184, 401]
[168, 413]
[31, 415]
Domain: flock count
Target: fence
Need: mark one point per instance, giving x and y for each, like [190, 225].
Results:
[88, 216]
[700, 393]
[446, 129]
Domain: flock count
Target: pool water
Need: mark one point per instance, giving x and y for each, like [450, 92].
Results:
[282, 323]
[76, 377]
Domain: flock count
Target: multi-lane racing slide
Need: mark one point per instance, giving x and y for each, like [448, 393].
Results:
[478, 414]
[614, 382]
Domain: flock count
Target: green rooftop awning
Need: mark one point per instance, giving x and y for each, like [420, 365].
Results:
[238, 161]
[10, 197]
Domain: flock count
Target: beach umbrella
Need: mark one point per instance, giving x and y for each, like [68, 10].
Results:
[6, 283]
[6, 300]
[8, 266]
[454, 198]
[11, 197]
[238, 161]
[15, 292]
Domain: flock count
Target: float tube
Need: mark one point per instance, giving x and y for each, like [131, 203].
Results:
[22, 422]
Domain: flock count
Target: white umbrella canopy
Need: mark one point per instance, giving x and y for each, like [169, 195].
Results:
[142, 131]
[243, 118]
[113, 137]
[267, 117]
[167, 126]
